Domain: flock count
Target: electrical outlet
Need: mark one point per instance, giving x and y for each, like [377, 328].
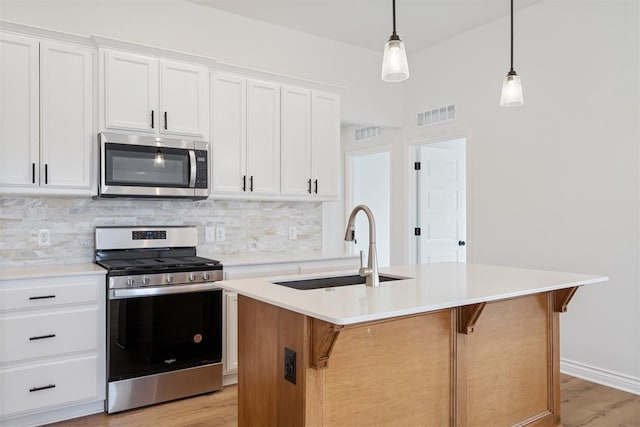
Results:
[289, 365]
[44, 238]
[220, 234]
[210, 234]
[293, 233]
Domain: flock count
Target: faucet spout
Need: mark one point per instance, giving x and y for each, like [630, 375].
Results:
[370, 272]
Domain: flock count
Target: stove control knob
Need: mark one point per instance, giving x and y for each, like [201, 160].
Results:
[169, 278]
[205, 276]
[145, 280]
[192, 277]
[130, 281]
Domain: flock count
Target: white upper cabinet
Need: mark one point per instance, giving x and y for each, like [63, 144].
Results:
[245, 137]
[155, 96]
[310, 144]
[46, 134]
[19, 111]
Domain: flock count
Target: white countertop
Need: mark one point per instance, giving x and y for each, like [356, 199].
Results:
[431, 287]
[54, 270]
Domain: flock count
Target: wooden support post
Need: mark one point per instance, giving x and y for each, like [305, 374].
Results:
[468, 316]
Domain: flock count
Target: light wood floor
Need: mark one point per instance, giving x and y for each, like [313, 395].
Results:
[584, 404]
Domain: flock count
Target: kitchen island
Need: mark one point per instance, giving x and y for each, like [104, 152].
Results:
[450, 344]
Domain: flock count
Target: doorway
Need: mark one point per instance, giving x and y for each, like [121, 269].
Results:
[369, 182]
[440, 201]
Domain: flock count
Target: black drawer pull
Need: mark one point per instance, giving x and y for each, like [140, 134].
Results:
[31, 390]
[165, 120]
[152, 119]
[251, 183]
[41, 337]
[42, 297]
[46, 173]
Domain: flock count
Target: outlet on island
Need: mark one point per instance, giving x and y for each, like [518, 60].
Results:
[289, 365]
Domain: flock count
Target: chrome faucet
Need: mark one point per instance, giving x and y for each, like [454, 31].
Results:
[371, 271]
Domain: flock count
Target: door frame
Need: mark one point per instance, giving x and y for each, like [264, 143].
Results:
[348, 185]
[410, 215]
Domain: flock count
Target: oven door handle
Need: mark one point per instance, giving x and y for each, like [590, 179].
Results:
[192, 162]
[161, 290]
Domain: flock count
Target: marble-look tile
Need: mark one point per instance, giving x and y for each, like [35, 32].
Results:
[250, 226]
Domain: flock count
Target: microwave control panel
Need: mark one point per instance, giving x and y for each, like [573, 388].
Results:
[201, 169]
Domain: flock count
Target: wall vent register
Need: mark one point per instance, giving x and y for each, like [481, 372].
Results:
[438, 115]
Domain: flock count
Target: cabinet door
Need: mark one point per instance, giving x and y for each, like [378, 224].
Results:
[131, 92]
[66, 98]
[184, 98]
[263, 138]
[296, 141]
[325, 144]
[19, 111]
[228, 139]
[231, 342]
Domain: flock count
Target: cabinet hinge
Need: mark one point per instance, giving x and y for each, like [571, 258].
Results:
[416, 231]
[416, 166]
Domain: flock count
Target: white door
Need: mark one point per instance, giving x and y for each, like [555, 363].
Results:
[263, 138]
[296, 141]
[66, 97]
[228, 139]
[442, 202]
[184, 97]
[19, 111]
[131, 92]
[325, 144]
[369, 183]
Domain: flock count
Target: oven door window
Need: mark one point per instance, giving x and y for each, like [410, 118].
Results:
[145, 166]
[150, 335]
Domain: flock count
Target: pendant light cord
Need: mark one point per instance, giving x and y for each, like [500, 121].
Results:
[511, 34]
[394, 16]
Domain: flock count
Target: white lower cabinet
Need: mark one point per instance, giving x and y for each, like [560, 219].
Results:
[231, 336]
[52, 348]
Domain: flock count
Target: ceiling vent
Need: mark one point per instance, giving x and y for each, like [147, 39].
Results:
[436, 116]
[368, 132]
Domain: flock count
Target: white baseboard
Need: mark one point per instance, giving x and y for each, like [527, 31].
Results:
[600, 376]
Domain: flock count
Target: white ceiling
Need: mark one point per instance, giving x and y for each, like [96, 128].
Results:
[368, 23]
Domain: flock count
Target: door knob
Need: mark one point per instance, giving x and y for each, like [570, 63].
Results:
[461, 243]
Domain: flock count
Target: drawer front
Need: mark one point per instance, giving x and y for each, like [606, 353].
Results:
[34, 293]
[40, 386]
[48, 333]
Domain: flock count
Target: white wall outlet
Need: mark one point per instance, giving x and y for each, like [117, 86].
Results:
[44, 238]
[220, 234]
[293, 233]
[210, 234]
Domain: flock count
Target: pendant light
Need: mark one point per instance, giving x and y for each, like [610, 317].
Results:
[511, 87]
[394, 61]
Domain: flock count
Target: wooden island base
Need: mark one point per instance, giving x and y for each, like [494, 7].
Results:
[493, 364]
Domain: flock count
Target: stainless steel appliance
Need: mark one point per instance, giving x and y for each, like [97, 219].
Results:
[164, 315]
[144, 166]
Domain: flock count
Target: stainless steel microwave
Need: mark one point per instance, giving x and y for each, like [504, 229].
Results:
[150, 167]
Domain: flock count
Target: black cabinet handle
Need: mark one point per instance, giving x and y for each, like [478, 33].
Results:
[251, 183]
[316, 184]
[152, 119]
[244, 182]
[42, 297]
[31, 390]
[461, 243]
[33, 173]
[46, 173]
[309, 183]
[42, 337]
[165, 120]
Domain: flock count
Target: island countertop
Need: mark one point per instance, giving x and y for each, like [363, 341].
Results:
[429, 287]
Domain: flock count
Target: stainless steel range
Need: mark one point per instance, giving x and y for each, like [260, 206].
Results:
[164, 315]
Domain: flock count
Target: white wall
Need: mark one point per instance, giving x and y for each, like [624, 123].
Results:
[183, 26]
[553, 184]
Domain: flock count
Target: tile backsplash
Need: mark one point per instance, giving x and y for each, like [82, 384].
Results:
[251, 227]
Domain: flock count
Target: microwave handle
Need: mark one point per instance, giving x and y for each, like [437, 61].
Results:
[192, 162]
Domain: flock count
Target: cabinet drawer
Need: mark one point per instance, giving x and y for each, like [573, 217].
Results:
[48, 333]
[30, 293]
[39, 386]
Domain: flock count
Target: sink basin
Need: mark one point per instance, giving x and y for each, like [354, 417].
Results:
[331, 282]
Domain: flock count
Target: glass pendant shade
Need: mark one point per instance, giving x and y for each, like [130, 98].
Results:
[511, 91]
[394, 62]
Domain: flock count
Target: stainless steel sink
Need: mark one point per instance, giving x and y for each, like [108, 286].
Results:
[330, 282]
